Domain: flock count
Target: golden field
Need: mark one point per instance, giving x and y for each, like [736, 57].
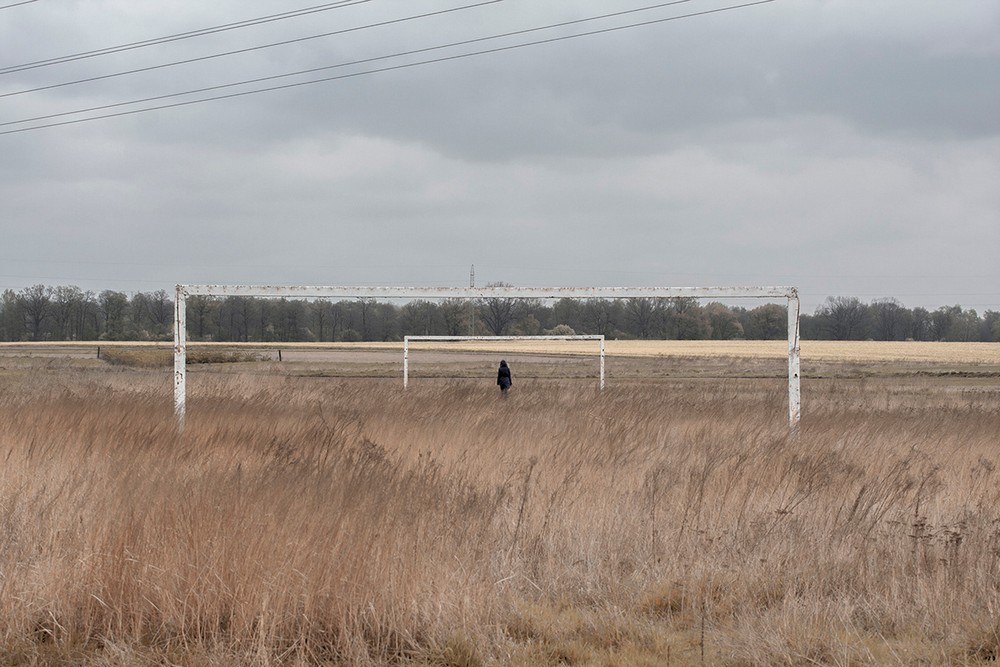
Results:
[877, 351]
[987, 353]
[310, 519]
[934, 352]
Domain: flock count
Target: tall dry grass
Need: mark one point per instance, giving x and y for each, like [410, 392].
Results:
[318, 521]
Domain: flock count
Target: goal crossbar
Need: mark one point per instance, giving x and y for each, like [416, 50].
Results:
[299, 291]
[408, 339]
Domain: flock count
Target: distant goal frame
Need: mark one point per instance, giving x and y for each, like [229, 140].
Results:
[407, 339]
[183, 291]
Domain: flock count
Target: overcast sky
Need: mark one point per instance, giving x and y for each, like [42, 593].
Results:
[847, 147]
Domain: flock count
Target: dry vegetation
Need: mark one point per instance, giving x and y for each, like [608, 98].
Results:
[304, 520]
[152, 357]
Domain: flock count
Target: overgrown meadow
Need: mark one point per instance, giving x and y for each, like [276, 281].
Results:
[332, 521]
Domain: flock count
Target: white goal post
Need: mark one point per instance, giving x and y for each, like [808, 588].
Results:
[434, 293]
[407, 339]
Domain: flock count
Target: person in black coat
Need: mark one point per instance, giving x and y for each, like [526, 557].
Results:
[504, 379]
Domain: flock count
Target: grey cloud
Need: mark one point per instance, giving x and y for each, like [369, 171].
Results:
[844, 147]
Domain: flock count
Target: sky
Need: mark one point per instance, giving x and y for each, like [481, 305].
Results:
[844, 147]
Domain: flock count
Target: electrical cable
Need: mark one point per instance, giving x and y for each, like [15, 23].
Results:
[10, 69]
[17, 4]
[254, 48]
[362, 73]
[341, 65]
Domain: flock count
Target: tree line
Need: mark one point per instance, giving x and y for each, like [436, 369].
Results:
[64, 313]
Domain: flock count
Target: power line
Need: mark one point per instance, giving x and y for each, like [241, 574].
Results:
[340, 65]
[365, 72]
[17, 4]
[253, 48]
[10, 69]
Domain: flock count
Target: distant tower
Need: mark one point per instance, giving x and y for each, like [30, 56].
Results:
[472, 307]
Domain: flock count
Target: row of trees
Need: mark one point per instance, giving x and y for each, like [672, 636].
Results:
[69, 313]
[849, 318]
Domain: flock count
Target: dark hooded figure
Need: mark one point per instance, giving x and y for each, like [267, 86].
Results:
[504, 379]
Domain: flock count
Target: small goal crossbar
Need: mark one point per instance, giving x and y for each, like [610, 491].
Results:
[407, 339]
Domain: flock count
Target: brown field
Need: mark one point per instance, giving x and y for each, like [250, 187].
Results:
[307, 516]
[547, 359]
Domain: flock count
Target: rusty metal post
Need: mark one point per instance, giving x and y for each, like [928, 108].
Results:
[794, 392]
[180, 356]
[602, 363]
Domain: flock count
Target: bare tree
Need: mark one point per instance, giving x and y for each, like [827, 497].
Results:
[199, 307]
[320, 310]
[66, 301]
[642, 314]
[497, 313]
[724, 323]
[138, 309]
[455, 314]
[767, 322]
[36, 305]
[600, 314]
[921, 327]
[114, 309]
[991, 326]
[843, 317]
[160, 307]
[11, 322]
[889, 319]
[236, 317]
[942, 320]
[964, 326]
[366, 307]
[569, 312]
[289, 316]
[421, 318]
[338, 313]
[686, 320]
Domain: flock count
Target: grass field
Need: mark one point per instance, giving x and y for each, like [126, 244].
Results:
[308, 517]
[547, 359]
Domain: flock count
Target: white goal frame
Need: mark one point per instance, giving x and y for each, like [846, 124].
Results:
[435, 293]
[407, 339]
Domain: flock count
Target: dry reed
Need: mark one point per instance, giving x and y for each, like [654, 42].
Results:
[151, 357]
[319, 521]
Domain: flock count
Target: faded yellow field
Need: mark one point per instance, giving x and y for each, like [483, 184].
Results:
[818, 350]
[987, 353]
[812, 350]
